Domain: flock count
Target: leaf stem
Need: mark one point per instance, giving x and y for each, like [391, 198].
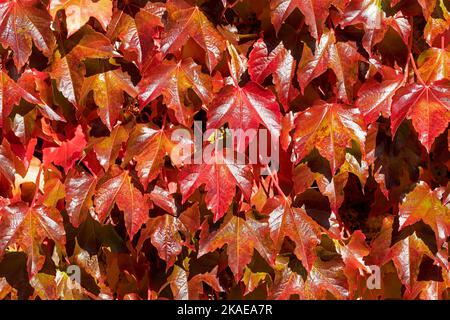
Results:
[406, 71]
[38, 182]
[164, 121]
[276, 184]
[248, 36]
[266, 191]
[416, 71]
[230, 6]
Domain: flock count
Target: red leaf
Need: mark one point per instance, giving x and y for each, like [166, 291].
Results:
[68, 69]
[164, 232]
[10, 95]
[241, 236]
[370, 14]
[424, 204]
[220, 177]
[78, 12]
[428, 108]
[187, 22]
[326, 276]
[21, 25]
[137, 33]
[341, 57]
[192, 289]
[119, 189]
[148, 146]
[280, 64]
[286, 283]
[79, 191]
[294, 223]
[108, 89]
[173, 80]
[434, 64]
[67, 153]
[375, 99]
[27, 227]
[245, 108]
[330, 128]
[407, 255]
[107, 149]
[315, 13]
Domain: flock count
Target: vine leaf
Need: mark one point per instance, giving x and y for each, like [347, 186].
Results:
[330, 128]
[341, 57]
[119, 189]
[326, 277]
[242, 237]
[148, 146]
[21, 25]
[245, 108]
[186, 22]
[428, 106]
[220, 176]
[27, 227]
[166, 231]
[67, 152]
[184, 288]
[294, 223]
[108, 88]
[370, 14]
[375, 98]
[280, 64]
[78, 12]
[173, 81]
[138, 35]
[407, 255]
[79, 188]
[434, 64]
[315, 12]
[107, 148]
[10, 95]
[67, 67]
[424, 204]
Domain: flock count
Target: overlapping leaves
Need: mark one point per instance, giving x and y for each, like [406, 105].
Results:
[99, 163]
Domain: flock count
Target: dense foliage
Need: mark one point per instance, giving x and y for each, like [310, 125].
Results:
[91, 91]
